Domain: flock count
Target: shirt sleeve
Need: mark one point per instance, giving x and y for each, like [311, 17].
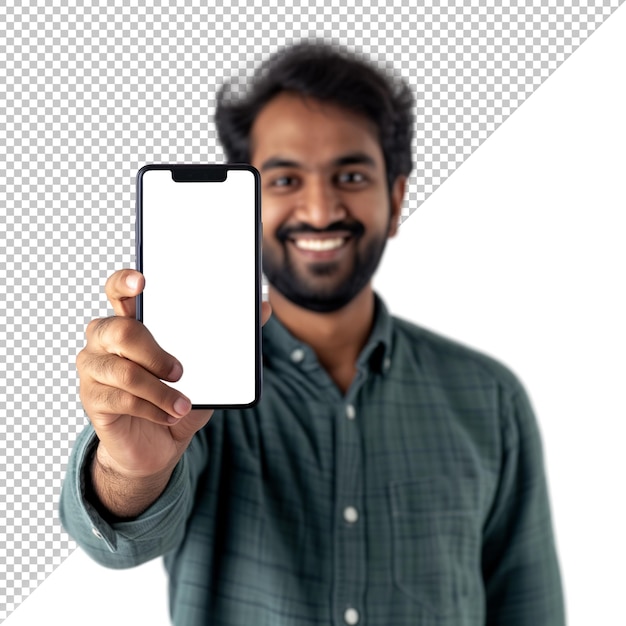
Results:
[153, 533]
[520, 566]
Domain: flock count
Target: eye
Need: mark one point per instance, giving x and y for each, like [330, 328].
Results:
[352, 179]
[283, 183]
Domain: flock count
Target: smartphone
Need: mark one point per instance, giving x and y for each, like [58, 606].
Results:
[198, 245]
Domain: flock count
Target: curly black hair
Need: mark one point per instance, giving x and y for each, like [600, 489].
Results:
[329, 74]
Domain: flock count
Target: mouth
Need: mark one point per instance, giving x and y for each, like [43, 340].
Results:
[321, 247]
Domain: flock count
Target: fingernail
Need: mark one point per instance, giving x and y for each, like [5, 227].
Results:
[182, 406]
[176, 372]
[132, 281]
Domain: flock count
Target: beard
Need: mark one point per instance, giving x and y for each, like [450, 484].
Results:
[313, 288]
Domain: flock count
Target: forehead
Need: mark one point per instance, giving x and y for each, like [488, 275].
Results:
[310, 131]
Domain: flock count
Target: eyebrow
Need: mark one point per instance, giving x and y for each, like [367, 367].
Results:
[354, 158]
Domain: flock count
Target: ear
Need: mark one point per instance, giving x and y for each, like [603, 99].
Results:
[396, 200]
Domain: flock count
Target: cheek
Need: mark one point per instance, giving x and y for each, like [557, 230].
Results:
[271, 223]
[375, 212]
[273, 215]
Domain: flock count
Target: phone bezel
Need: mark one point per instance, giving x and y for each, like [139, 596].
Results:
[212, 173]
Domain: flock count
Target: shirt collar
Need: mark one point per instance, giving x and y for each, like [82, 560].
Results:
[279, 343]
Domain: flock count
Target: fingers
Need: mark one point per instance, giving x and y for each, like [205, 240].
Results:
[104, 404]
[116, 386]
[121, 289]
[131, 340]
[120, 372]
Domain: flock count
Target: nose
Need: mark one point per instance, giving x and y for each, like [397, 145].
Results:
[320, 204]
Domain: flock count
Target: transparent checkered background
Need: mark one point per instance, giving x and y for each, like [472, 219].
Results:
[91, 93]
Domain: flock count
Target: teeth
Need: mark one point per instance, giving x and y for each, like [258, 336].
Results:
[319, 245]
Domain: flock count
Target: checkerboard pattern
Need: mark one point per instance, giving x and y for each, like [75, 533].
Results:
[91, 93]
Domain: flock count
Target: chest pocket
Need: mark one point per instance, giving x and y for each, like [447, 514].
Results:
[436, 542]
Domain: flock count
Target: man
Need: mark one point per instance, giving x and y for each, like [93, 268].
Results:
[387, 477]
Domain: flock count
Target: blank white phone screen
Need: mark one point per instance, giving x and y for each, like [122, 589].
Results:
[200, 265]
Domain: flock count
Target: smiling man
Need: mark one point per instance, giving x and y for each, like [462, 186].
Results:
[388, 476]
[328, 212]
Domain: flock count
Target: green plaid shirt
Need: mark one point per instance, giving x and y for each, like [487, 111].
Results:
[418, 498]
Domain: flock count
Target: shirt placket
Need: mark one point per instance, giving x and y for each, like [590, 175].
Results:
[350, 550]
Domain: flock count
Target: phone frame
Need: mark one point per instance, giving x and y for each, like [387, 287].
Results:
[205, 172]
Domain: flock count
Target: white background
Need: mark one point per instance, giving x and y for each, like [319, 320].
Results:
[520, 253]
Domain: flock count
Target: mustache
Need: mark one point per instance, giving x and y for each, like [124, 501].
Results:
[283, 233]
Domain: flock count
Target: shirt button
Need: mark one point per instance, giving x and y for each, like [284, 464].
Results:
[96, 532]
[350, 412]
[351, 616]
[297, 356]
[350, 514]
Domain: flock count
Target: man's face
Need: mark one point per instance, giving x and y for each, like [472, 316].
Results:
[327, 211]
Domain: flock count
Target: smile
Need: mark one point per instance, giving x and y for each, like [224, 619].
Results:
[319, 245]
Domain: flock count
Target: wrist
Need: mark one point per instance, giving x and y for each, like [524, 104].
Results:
[116, 472]
[118, 495]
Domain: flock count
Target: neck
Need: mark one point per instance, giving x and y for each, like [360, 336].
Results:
[337, 338]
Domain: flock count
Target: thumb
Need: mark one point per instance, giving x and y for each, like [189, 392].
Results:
[121, 289]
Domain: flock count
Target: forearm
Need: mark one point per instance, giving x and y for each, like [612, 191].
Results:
[117, 496]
